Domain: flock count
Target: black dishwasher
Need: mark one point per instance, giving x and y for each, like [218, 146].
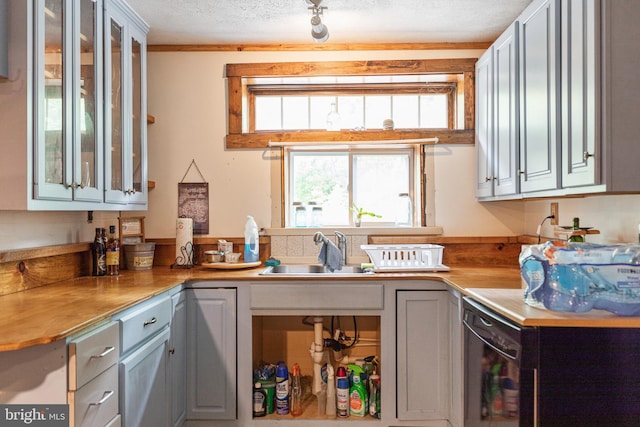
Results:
[499, 373]
[548, 376]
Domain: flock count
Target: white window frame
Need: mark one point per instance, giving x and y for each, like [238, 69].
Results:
[416, 186]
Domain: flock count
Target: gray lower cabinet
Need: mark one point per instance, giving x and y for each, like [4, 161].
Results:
[144, 363]
[143, 384]
[211, 354]
[422, 340]
[178, 359]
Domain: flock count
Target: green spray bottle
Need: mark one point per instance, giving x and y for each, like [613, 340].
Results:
[357, 393]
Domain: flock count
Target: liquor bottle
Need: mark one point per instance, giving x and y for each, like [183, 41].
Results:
[113, 253]
[98, 249]
[576, 227]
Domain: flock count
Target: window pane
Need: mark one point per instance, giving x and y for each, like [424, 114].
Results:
[433, 111]
[268, 113]
[323, 179]
[377, 109]
[320, 108]
[377, 181]
[295, 112]
[351, 110]
[405, 111]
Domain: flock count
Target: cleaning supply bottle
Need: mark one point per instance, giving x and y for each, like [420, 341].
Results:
[357, 393]
[342, 392]
[282, 389]
[296, 391]
[259, 400]
[374, 396]
[251, 240]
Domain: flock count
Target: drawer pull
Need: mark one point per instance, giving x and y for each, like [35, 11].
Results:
[150, 322]
[106, 351]
[105, 397]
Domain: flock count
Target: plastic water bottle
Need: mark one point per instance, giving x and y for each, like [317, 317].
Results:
[251, 240]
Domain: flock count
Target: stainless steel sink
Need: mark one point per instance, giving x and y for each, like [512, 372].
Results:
[312, 269]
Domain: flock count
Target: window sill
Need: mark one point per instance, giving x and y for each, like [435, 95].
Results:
[355, 231]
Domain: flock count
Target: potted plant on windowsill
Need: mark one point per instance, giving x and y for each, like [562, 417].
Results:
[358, 213]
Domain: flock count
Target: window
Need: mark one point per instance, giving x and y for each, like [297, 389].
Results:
[300, 112]
[325, 170]
[323, 185]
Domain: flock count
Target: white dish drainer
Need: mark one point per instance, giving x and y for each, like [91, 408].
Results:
[407, 257]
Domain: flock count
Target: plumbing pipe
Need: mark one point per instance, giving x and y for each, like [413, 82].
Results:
[318, 356]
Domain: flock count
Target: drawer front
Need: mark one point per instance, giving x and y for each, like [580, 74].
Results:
[95, 403]
[141, 324]
[91, 354]
[318, 295]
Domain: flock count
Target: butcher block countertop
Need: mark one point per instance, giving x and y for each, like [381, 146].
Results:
[54, 312]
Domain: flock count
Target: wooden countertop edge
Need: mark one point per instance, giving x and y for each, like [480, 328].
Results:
[497, 287]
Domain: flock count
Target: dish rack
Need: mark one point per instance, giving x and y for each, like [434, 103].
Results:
[409, 257]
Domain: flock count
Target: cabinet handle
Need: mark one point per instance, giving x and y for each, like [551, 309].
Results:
[131, 191]
[105, 397]
[520, 172]
[150, 322]
[73, 185]
[586, 155]
[172, 350]
[106, 351]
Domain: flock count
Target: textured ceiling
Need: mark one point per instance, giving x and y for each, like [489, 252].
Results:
[349, 21]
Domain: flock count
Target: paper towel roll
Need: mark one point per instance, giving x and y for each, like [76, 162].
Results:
[184, 241]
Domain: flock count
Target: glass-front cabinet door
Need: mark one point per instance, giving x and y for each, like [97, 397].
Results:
[67, 101]
[125, 116]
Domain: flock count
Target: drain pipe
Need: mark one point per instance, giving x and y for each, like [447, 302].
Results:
[318, 356]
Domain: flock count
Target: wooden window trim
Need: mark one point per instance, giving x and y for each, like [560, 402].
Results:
[239, 100]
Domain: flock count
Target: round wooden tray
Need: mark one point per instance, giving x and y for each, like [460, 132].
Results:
[231, 265]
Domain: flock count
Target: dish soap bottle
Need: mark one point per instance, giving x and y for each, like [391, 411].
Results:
[357, 393]
[251, 240]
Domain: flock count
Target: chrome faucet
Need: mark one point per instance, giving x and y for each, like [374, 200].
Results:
[342, 245]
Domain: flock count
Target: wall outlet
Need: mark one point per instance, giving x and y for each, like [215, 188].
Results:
[554, 211]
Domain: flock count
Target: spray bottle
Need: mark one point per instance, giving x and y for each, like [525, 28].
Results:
[282, 389]
[357, 393]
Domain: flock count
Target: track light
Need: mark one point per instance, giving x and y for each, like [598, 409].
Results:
[319, 31]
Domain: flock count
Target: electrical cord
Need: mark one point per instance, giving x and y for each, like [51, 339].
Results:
[540, 226]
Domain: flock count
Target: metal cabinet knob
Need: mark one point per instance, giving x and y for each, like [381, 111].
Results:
[586, 155]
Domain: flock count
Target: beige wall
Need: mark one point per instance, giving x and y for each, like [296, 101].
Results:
[186, 94]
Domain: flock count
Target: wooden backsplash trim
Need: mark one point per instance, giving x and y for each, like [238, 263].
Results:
[44, 251]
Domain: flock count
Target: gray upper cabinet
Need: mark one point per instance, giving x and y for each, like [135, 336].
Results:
[53, 107]
[577, 128]
[497, 139]
[601, 46]
[125, 117]
[539, 75]
[580, 76]
[484, 125]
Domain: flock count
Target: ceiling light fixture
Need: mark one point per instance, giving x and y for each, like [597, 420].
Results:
[319, 31]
